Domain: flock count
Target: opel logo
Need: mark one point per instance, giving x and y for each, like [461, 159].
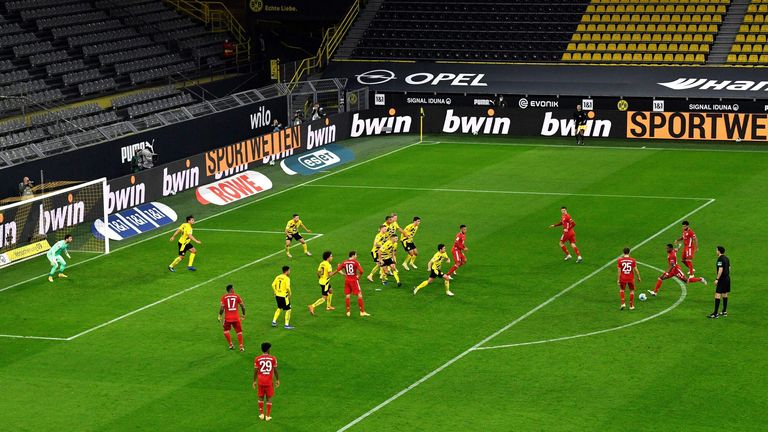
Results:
[375, 77]
[523, 103]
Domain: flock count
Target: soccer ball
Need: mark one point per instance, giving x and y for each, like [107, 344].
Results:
[474, 133]
[642, 297]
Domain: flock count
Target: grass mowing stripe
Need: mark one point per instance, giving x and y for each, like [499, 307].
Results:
[225, 211]
[513, 323]
[683, 295]
[162, 300]
[593, 147]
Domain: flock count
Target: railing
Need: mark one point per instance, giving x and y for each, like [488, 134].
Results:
[220, 19]
[332, 38]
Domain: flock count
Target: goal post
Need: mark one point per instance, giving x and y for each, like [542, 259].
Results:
[30, 226]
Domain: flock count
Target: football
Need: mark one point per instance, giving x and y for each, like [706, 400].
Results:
[642, 297]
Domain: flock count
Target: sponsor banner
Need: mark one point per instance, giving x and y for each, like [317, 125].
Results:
[26, 251]
[297, 10]
[379, 122]
[697, 126]
[571, 80]
[234, 188]
[318, 160]
[261, 149]
[134, 221]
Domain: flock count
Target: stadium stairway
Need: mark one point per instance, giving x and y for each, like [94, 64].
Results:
[357, 31]
[728, 30]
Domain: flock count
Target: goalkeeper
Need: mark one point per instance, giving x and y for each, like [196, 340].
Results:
[54, 256]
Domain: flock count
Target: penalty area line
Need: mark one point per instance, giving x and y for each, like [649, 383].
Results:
[680, 299]
[511, 324]
[253, 231]
[32, 337]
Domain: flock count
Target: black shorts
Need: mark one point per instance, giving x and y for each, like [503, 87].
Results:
[387, 262]
[435, 275]
[324, 289]
[409, 246]
[184, 248]
[283, 303]
[723, 287]
[375, 256]
[296, 237]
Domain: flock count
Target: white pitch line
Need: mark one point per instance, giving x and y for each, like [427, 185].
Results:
[683, 294]
[32, 337]
[251, 231]
[162, 300]
[593, 147]
[505, 192]
[511, 324]
[223, 212]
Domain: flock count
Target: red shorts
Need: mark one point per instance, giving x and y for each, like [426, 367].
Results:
[568, 237]
[688, 254]
[629, 284]
[236, 324]
[458, 256]
[266, 390]
[676, 272]
[351, 287]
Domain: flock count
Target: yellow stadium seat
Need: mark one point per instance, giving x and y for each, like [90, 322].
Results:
[669, 57]
[739, 38]
[621, 47]
[764, 59]
[759, 18]
[746, 48]
[611, 47]
[576, 57]
[651, 28]
[658, 57]
[586, 56]
[679, 58]
[601, 47]
[742, 58]
[637, 57]
[640, 8]
[709, 38]
[687, 38]
[567, 56]
[689, 58]
[757, 49]
[626, 57]
[731, 58]
[652, 47]
[647, 57]
[754, 58]
[698, 37]
[597, 56]
[616, 57]
[581, 46]
[748, 19]
[700, 58]
[752, 8]
[656, 37]
[591, 47]
[760, 39]
[751, 38]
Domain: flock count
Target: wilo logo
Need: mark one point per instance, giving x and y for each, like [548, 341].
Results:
[489, 125]
[180, 181]
[320, 137]
[62, 217]
[378, 126]
[7, 232]
[127, 152]
[262, 117]
[567, 127]
[122, 199]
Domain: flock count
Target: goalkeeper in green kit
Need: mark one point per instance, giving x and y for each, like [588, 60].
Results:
[54, 256]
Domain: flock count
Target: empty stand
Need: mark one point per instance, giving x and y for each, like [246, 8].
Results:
[750, 48]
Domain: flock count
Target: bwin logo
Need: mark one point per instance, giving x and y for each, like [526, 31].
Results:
[320, 137]
[129, 197]
[180, 181]
[378, 126]
[475, 125]
[7, 232]
[62, 217]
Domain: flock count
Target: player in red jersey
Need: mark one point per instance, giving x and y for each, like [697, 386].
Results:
[690, 246]
[264, 366]
[458, 249]
[229, 303]
[352, 271]
[569, 235]
[627, 272]
[674, 270]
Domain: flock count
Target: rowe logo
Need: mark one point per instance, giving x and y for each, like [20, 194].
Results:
[710, 84]
[378, 126]
[122, 199]
[489, 125]
[7, 232]
[62, 217]
[320, 137]
[319, 159]
[567, 127]
[261, 118]
[234, 188]
[174, 183]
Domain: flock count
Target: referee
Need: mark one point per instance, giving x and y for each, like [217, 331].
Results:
[722, 283]
[580, 118]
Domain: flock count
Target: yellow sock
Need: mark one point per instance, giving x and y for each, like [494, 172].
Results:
[176, 261]
[447, 285]
[396, 275]
[382, 274]
[373, 272]
[422, 285]
[330, 296]
[304, 245]
[277, 315]
[413, 259]
[318, 302]
[287, 317]
[191, 259]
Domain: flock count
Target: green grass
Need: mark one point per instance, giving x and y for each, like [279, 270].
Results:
[166, 368]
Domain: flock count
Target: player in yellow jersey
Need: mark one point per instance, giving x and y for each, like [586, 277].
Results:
[388, 260]
[380, 239]
[407, 240]
[436, 271]
[392, 226]
[324, 272]
[281, 286]
[185, 244]
[292, 233]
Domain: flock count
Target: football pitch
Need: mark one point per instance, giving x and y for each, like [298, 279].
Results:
[528, 342]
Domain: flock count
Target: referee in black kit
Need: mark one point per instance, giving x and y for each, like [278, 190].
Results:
[722, 283]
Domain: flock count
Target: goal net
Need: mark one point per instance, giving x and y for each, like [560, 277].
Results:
[30, 226]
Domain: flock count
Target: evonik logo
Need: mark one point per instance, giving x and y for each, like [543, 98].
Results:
[128, 197]
[567, 127]
[380, 125]
[176, 182]
[261, 118]
[61, 217]
[489, 125]
[710, 84]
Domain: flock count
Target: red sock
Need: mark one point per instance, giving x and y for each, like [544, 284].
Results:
[347, 304]
[240, 338]
[269, 409]
[565, 250]
[689, 264]
[261, 406]
[453, 269]
[621, 294]
[658, 285]
[631, 299]
[360, 303]
[694, 279]
[228, 336]
[575, 249]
